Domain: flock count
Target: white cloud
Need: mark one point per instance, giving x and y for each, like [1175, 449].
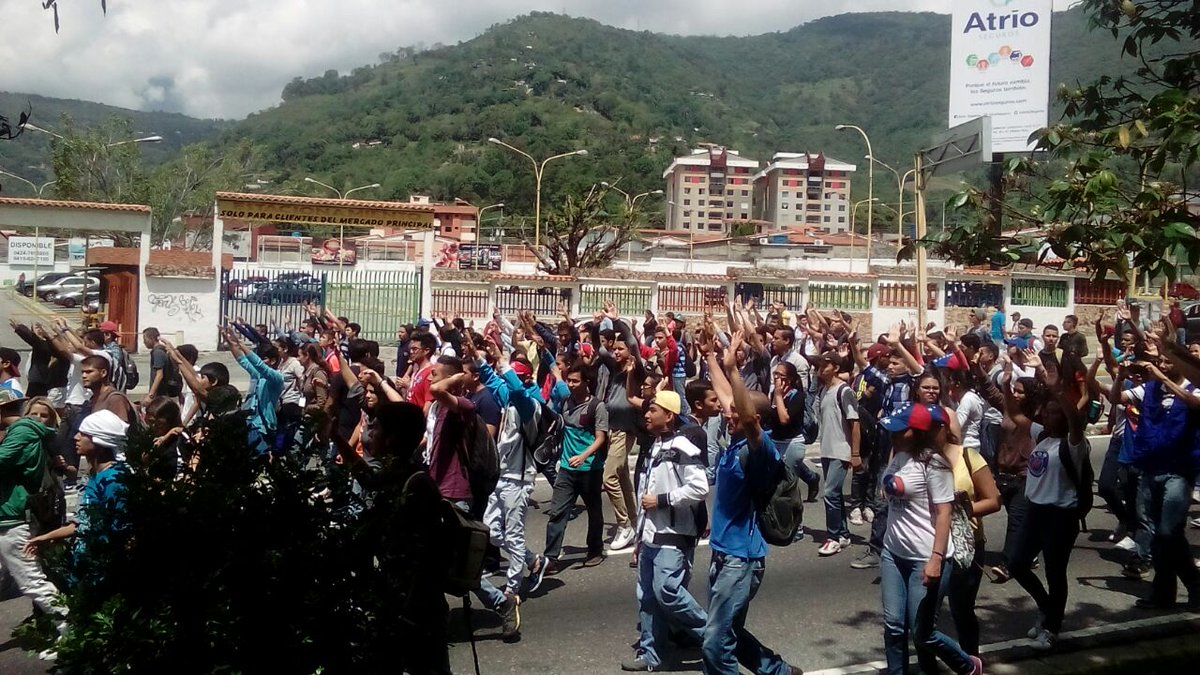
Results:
[227, 58]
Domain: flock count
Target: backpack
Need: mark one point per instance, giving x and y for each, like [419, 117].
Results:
[546, 442]
[46, 509]
[480, 459]
[676, 458]
[778, 502]
[172, 379]
[129, 371]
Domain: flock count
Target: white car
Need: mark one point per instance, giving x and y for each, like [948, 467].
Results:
[66, 285]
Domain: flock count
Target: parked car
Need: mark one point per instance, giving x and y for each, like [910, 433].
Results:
[1184, 291]
[298, 277]
[66, 285]
[247, 290]
[75, 298]
[287, 293]
[44, 280]
[235, 285]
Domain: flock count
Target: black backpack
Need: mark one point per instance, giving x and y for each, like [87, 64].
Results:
[545, 444]
[130, 371]
[778, 504]
[480, 459]
[46, 509]
[1081, 477]
[172, 379]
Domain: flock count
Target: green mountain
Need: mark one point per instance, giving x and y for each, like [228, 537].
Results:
[548, 83]
[29, 155]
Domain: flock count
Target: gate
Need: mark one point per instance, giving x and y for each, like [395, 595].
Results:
[274, 298]
[380, 301]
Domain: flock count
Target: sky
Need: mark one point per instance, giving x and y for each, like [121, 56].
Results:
[229, 58]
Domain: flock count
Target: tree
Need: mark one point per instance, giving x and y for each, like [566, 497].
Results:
[583, 234]
[1121, 167]
[98, 164]
[189, 183]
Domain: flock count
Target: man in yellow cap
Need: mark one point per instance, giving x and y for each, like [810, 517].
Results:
[671, 517]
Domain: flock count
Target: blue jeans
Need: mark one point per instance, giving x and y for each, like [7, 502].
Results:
[1166, 498]
[835, 499]
[664, 599]
[732, 583]
[793, 456]
[911, 608]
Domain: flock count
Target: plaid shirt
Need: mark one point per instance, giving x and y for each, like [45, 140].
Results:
[896, 391]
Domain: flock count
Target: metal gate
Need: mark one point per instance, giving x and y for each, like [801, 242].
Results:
[379, 301]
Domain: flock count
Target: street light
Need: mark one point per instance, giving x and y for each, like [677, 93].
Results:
[870, 185]
[341, 195]
[900, 181]
[37, 228]
[630, 200]
[148, 139]
[498, 205]
[853, 216]
[538, 170]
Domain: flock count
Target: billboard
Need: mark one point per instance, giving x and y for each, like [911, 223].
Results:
[334, 252]
[31, 250]
[480, 257]
[1000, 67]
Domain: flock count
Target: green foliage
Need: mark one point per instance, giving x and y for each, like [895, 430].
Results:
[582, 233]
[1113, 191]
[99, 164]
[189, 183]
[237, 566]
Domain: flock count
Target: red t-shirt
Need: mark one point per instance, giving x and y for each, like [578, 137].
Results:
[419, 393]
[334, 363]
[445, 464]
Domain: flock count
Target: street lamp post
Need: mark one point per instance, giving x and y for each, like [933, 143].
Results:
[870, 187]
[538, 171]
[630, 200]
[37, 228]
[854, 216]
[148, 139]
[479, 227]
[341, 195]
[900, 181]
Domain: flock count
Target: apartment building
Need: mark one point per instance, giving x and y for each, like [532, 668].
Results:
[710, 190]
[802, 191]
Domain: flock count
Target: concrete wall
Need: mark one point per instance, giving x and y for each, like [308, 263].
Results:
[183, 310]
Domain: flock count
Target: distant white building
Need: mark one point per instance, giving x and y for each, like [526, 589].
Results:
[709, 190]
[799, 191]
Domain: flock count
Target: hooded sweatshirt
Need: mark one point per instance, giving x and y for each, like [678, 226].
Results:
[22, 465]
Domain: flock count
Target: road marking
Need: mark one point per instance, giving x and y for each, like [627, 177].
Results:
[1108, 629]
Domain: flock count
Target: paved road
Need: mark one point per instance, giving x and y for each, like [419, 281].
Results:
[818, 612]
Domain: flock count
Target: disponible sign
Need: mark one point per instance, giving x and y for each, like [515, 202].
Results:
[1000, 67]
[31, 250]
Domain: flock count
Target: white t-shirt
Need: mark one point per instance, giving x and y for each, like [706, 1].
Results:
[970, 417]
[189, 397]
[1138, 393]
[76, 394]
[835, 410]
[1047, 482]
[909, 486]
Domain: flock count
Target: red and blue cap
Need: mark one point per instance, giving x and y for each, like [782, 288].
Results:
[916, 416]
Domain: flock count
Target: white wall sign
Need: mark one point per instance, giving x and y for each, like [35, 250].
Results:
[31, 250]
[1000, 66]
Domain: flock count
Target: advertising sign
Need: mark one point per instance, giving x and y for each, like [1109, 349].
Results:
[335, 252]
[274, 209]
[480, 257]
[31, 250]
[1000, 67]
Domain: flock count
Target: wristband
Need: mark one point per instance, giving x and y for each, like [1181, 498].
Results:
[940, 554]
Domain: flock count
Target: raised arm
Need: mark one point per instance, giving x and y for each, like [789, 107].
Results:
[198, 385]
[747, 415]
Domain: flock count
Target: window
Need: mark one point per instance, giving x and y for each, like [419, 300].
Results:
[687, 214]
[687, 191]
[687, 226]
[687, 202]
[827, 206]
[701, 190]
[729, 205]
[841, 207]
[827, 219]
[745, 216]
[784, 206]
[745, 193]
[798, 217]
[729, 193]
[785, 194]
[841, 219]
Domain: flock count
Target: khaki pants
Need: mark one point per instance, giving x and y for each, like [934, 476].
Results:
[617, 484]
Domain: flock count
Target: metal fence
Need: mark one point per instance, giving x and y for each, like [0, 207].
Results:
[380, 301]
[1106, 292]
[840, 296]
[462, 301]
[630, 300]
[274, 298]
[897, 295]
[691, 299]
[973, 294]
[1039, 293]
[542, 301]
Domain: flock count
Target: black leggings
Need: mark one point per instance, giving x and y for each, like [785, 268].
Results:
[964, 588]
[1051, 531]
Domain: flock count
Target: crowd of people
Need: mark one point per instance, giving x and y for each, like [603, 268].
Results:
[933, 428]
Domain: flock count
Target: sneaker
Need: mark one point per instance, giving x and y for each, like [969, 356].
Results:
[1136, 568]
[594, 560]
[510, 615]
[1195, 522]
[867, 560]
[551, 566]
[1037, 562]
[856, 517]
[47, 655]
[869, 514]
[1153, 604]
[998, 574]
[1044, 641]
[830, 547]
[537, 573]
[1196, 495]
[799, 534]
[1126, 544]
[976, 665]
[623, 539]
[637, 665]
[844, 542]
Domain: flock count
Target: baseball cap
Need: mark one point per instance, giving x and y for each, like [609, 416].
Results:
[423, 323]
[1027, 322]
[916, 416]
[109, 327]
[878, 351]
[14, 359]
[669, 401]
[953, 361]
[9, 398]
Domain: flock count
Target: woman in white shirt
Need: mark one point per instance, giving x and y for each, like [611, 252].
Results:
[914, 565]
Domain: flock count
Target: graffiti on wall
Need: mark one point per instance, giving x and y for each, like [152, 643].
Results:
[177, 304]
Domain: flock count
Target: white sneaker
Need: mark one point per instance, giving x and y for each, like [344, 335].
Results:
[1195, 522]
[844, 542]
[1126, 544]
[1044, 641]
[1037, 628]
[1196, 495]
[856, 516]
[47, 655]
[623, 539]
[869, 514]
[830, 547]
